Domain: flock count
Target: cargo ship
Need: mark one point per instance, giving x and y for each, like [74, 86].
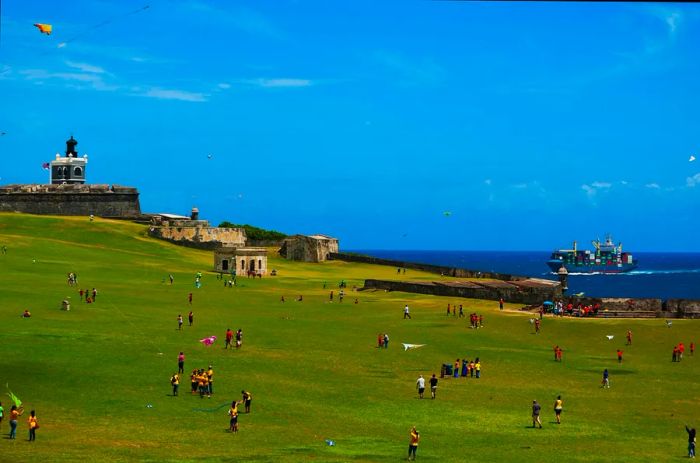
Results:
[606, 258]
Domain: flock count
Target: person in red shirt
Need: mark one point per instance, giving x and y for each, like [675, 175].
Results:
[380, 340]
[189, 298]
[692, 348]
[681, 350]
[229, 337]
[619, 356]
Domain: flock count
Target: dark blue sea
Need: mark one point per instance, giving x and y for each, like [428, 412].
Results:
[659, 275]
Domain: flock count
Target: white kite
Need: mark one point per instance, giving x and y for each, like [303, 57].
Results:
[692, 158]
[411, 346]
[669, 323]
[609, 336]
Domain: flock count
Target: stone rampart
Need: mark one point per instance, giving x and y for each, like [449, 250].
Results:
[200, 237]
[531, 291]
[437, 269]
[98, 200]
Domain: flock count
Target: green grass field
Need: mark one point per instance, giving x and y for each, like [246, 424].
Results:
[313, 367]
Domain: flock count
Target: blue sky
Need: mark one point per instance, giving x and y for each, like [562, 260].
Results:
[534, 124]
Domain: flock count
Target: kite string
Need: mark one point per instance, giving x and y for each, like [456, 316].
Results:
[103, 23]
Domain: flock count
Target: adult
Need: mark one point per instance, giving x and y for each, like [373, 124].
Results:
[619, 356]
[189, 298]
[433, 386]
[233, 413]
[210, 381]
[536, 414]
[477, 367]
[179, 322]
[190, 317]
[500, 304]
[413, 443]
[537, 326]
[2, 414]
[175, 382]
[691, 441]
[247, 399]
[33, 425]
[455, 371]
[380, 340]
[406, 313]
[181, 362]
[14, 414]
[94, 295]
[229, 338]
[558, 407]
[606, 378]
[172, 278]
[386, 340]
[239, 338]
[420, 385]
[629, 337]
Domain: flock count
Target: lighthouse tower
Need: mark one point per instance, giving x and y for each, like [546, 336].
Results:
[71, 168]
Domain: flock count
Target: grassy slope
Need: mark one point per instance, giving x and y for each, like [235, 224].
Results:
[311, 366]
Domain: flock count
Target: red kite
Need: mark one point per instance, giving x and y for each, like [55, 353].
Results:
[44, 28]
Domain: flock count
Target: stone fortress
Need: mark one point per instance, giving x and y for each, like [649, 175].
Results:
[68, 194]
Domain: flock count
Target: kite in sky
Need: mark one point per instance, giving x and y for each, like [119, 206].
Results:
[44, 28]
[447, 213]
[208, 341]
[411, 346]
[692, 158]
[609, 336]
[209, 156]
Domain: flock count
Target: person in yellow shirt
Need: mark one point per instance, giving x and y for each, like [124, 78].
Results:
[558, 407]
[247, 399]
[33, 425]
[175, 382]
[477, 367]
[210, 377]
[193, 380]
[233, 413]
[413, 444]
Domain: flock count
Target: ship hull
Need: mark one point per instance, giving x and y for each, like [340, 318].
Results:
[556, 264]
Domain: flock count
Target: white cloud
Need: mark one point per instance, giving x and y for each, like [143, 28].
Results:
[520, 186]
[653, 186]
[487, 181]
[601, 185]
[593, 189]
[224, 85]
[283, 82]
[94, 81]
[672, 20]
[624, 182]
[590, 191]
[85, 67]
[691, 182]
[174, 94]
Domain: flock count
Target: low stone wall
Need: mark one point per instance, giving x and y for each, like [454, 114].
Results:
[209, 238]
[437, 269]
[98, 200]
[531, 292]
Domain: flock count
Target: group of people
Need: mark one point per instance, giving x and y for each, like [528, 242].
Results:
[476, 321]
[679, 350]
[470, 368]
[201, 381]
[557, 353]
[536, 408]
[229, 338]
[15, 413]
[420, 385]
[383, 340]
[246, 399]
[72, 278]
[90, 297]
[454, 310]
[181, 321]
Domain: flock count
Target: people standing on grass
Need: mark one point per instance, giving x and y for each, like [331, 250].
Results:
[692, 348]
[175, 383]
[181, 362]
[380, 340]
[386, 340]
[420, 385]
[229, 338]
[606, 378]
[691, 441]
[179, 322]
[537, 326]
[461, 311]
[433, 386]
[247, 399]
[210, 381]
[33, 426]
[189, 298]
[190, 317]
[233, 413]
[536, 414]
[558, 407]
[629, 337]
[14, 414]
[239, 338]
[2, 414]
[406, 313]
[413, 443]
[500, 304]
[477, 367]
[456, 369]
[619, 356]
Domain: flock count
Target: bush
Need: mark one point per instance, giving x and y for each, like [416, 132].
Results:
[255, 233]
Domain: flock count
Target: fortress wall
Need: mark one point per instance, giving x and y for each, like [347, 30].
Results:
[440, 270]
[200, 237]
[102, 203]
[509, 293]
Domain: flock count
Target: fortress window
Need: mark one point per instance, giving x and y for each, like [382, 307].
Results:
[259, 264]
[224, 264]
[243, 264]
[77, 171]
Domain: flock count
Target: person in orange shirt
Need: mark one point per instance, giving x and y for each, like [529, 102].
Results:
[33, 425]
[233, 413]
[14, 414]
[413, 444]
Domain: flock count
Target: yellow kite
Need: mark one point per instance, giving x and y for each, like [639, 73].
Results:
[44, 28]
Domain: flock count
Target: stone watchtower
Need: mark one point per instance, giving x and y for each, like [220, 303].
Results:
[69, 169]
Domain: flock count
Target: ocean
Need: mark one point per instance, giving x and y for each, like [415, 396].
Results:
[659, 275]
